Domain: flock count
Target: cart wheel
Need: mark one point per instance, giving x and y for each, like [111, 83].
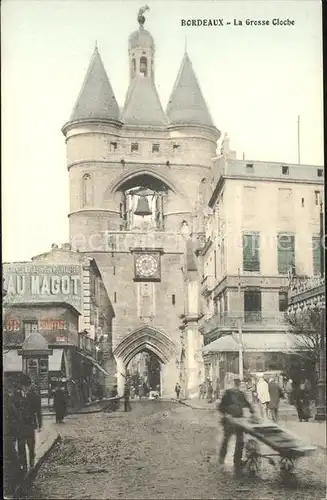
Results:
[287, 467]
[252, 455]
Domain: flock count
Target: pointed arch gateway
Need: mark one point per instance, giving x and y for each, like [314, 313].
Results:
[146, 338]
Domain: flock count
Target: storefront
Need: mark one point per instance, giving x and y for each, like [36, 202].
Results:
[262, 352]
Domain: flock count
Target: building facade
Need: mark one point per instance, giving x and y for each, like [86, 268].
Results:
[263, 223]
[61, 296]
[137, 181]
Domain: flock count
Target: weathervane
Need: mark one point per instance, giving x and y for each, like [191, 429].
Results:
[140, 17]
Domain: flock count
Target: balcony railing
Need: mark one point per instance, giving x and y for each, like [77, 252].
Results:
[300, 286]
[248, 319]
[208, 284]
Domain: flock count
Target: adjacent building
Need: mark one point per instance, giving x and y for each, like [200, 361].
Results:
[60, 295]
[263, 224]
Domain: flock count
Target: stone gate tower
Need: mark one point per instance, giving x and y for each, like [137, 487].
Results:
[137, 182]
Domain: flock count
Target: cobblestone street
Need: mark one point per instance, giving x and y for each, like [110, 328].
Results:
[161, 450]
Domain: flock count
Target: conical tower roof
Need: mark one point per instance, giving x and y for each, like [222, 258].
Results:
[142, 104]
[186, 105]
[96, 98]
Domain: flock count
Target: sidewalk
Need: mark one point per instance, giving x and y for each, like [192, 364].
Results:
[311, 432]
[44, 441]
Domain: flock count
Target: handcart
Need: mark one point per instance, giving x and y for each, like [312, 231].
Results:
[285, 445]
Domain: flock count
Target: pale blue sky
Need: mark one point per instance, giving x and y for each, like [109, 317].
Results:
[256, 80]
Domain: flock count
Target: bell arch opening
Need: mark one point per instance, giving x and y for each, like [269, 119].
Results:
[143, 202]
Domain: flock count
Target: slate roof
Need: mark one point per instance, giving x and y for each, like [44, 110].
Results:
[186, 105]
[96, 98]
[142, 104]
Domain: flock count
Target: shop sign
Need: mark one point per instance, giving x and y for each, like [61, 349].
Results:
[33, 283]
[61, 339]
[14, 325]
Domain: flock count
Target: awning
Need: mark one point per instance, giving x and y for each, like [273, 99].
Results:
[253, 342]
[55, 360]
[12, 362]
[95, 363]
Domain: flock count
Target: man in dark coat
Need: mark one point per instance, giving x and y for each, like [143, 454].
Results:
[232, 403]
[11, 466]
[127, 404]
[28, 405]
[177, 390]
[275, 393]
[60, 404]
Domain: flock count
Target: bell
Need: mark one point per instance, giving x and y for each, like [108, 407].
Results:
[142, 207]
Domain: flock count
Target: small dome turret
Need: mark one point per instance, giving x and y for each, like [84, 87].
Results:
[140, 38]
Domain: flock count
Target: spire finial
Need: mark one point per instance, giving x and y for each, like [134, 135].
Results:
[185, 45]
[140, 16]
[96, 45]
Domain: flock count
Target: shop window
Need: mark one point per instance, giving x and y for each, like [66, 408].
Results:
[30, 327]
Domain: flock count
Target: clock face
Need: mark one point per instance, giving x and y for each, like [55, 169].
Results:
[146, 265]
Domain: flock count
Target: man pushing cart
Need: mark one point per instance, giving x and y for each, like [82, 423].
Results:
[285, 445]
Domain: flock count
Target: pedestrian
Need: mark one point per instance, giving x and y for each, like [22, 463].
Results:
[232, 403]
[289, 391]
[145, 389]
[275, 393]
[127, 403]
[263, 396]
[210, 392]
[202, 389]
[11, 466]
[217, 390]
[177, 390]
[254, 390]
[301, 396]
[114, 394]
[60, 404]
[28, 405]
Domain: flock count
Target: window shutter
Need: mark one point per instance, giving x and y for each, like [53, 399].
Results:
[286, 252]
[251, 257]
[316, 248]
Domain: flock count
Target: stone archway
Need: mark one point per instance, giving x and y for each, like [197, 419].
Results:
[145, 338]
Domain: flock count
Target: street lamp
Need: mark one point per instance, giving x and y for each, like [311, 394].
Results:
[240, 351]
[321, 386]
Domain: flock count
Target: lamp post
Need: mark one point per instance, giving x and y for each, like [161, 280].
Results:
[321, 386]
[240, 352]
